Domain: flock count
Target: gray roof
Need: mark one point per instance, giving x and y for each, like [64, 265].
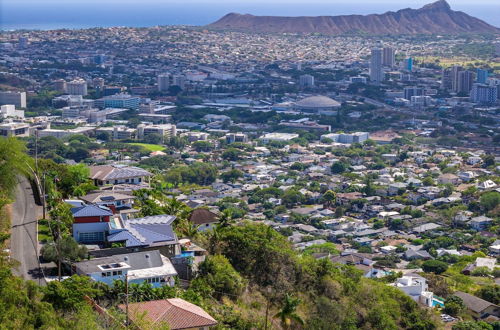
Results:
[146, 231]
[317, 101]
[109, 196]
[136, 260]
[116, 172]
[474, 303]
[91, 211]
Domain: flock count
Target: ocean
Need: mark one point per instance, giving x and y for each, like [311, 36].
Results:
[47, 14]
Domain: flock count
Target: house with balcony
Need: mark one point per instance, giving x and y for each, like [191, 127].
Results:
[416, 287]
[138, 267]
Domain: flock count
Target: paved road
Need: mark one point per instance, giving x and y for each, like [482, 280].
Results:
[23, 244]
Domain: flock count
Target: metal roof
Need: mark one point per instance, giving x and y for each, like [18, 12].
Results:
[91, 211]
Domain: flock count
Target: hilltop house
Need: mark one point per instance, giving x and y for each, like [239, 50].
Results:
[416, 287]
[139, 267]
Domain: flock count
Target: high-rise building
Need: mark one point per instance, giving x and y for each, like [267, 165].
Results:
[408, 64]
[16, 98]
[454, 77]
[306, 80]
[60, 85]
[388, 57]
[446, 79]
[163, 82]
[484, 94]
[179, 80]
[482, 76]
[376, 69]
[77, 87]
[465, 81]
[413, 91]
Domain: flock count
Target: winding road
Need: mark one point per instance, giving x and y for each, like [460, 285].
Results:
[24, 245]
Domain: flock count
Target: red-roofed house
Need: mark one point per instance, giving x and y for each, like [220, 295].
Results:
[176, 313]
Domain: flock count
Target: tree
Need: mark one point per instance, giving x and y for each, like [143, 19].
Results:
[490, 293]
[434, 266]
[231, 175]
[232, 154]
[13, 162]
[68, 295]
[454, 305]
[202, 146]
[218, 273]
[70, 250]
[292, 197]
[490, 200]
[338, 167]
[329, 198]
[288, 312]
[226, 218]
[153, 138]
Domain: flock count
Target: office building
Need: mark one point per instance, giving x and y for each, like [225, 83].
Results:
[306, 81]
[465, 81]
[9, 111]
[112, 90]
[125, 101]
[346, 138]
[482, 76]
[14, 129]
[376, 69]
[163, 82]
[236, 137]
[412, 91]
[388, 57]
[484, 94]
[118, 132]
[165, 130]
[357, 80]
[420, 101]
[15, 98]
[179, 80]
[77, 87]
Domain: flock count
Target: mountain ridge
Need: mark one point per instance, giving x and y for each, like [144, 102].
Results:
[433, 18]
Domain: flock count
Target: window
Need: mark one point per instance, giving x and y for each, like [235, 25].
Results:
[91, 237]
[103, 274]
[115, 273]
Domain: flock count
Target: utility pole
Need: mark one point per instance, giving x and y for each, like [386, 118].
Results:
[126, 301]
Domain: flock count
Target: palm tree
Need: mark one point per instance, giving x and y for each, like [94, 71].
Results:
[288, 313]
[187, 228]
[226, 218]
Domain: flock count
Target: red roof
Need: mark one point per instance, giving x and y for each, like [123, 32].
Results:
[176, 312]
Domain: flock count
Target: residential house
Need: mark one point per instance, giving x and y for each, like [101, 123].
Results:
[489, 263]
[109, 198]
[148, 233]
[448, 178]
[138, 267]
[480, 223]
[91, 223]
[118, 174]
[416, 287]
[479, 308]
[175, 313]
[203, 218]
